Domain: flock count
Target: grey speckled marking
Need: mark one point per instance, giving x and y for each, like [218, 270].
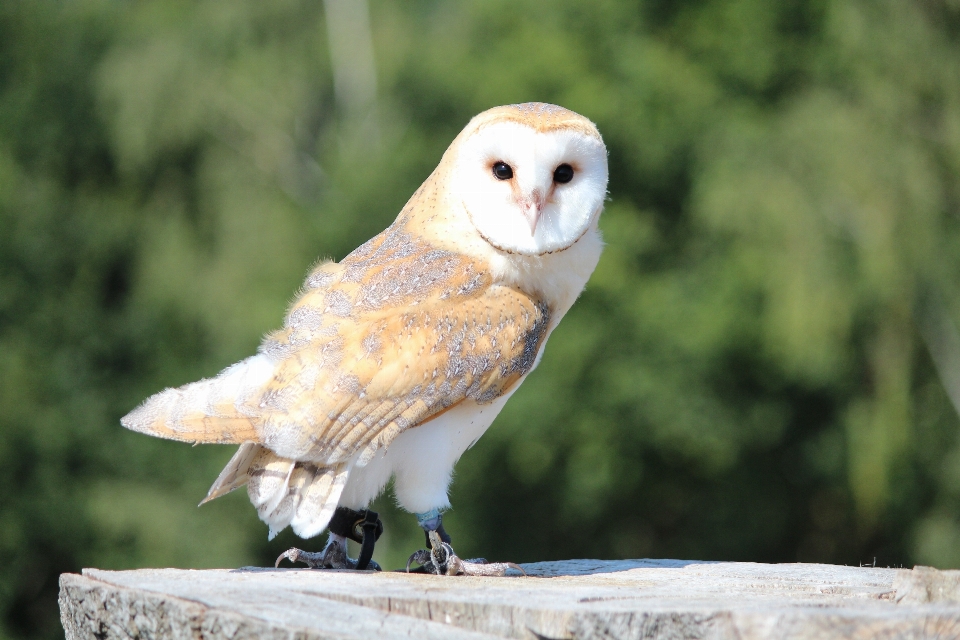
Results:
[319, 279]
[397, 281]
[308, 318]
[338, 303]
[371, 345]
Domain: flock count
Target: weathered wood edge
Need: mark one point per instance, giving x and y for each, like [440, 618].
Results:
[927, 585]
[92, 608]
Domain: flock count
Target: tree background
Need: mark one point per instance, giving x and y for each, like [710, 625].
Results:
[765, 365]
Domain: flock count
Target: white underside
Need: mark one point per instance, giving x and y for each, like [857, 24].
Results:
[422, 459]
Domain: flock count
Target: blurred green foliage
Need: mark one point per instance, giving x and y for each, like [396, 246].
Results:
[745, 377]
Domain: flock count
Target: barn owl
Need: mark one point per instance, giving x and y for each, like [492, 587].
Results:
[394, 361]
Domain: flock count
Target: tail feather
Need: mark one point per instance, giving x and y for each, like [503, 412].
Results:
[269, 476]
[319, 500]
[285, 492]
[210, 410]
[234, 475]
[278, 517]
[300, 494]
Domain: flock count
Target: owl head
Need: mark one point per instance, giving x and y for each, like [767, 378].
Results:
[531, 177]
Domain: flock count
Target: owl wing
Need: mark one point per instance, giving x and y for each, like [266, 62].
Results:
[362, 380]
[392, 336]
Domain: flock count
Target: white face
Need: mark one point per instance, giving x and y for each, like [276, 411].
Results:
[531, 193]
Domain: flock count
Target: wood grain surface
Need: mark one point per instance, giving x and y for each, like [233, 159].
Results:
[570, 599]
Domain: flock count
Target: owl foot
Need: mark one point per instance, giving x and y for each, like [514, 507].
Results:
[333, 556]
[440, 559]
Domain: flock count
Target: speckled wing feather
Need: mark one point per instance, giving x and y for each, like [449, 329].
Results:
[394, 335]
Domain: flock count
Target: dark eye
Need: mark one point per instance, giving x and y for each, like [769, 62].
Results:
[563, 174]
[502, 171]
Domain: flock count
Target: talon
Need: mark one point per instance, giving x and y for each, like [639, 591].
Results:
[289, 554]
[421, 557]
[444, 559]
[441, 559]
[333, 556]
[312, 560]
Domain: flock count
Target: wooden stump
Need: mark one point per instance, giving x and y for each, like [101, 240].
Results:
[570, 599]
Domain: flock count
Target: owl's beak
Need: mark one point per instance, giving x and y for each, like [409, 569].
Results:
[532, 209]
[532, 214]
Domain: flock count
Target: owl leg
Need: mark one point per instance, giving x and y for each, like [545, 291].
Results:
[439, 558]
[363, 526]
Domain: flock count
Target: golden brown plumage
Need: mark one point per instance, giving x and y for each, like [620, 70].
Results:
[400, 333]
[396, 333]
[429, 322]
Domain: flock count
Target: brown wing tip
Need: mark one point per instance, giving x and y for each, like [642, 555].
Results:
[212, 495]
[153, 419]
[219, 489]
[166, 415]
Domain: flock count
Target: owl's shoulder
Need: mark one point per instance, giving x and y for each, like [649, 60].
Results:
[391, 275]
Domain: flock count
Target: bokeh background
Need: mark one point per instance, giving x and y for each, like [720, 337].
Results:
[765, 365]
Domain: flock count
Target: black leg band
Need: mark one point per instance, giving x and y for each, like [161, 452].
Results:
[362, 526]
